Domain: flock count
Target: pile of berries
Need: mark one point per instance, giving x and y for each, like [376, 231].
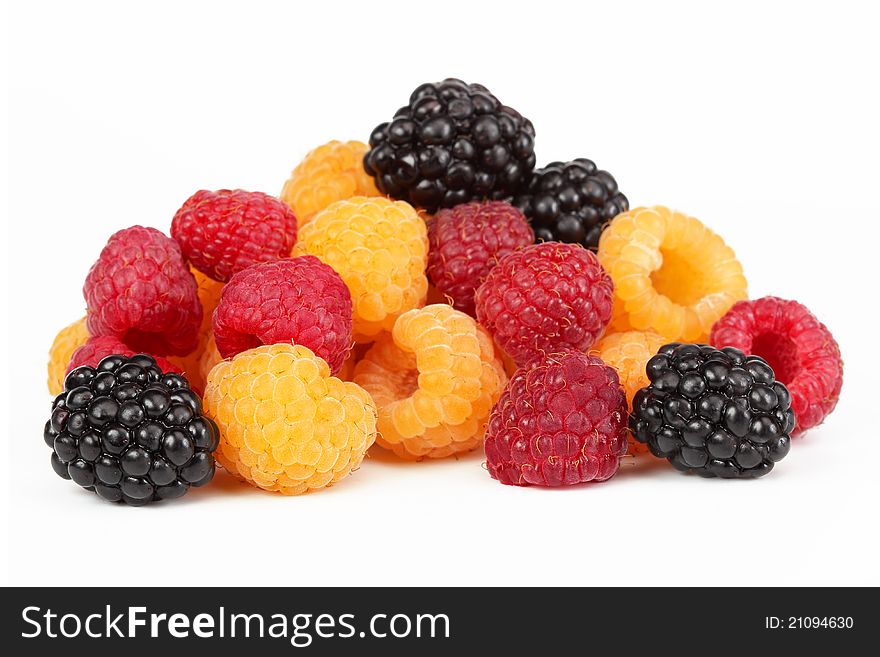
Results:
[431, 292]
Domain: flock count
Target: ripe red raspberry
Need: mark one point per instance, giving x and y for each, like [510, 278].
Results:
[465, 243]
[560, 421]
[97, 348]
[545, 298]
[223, 232]
[141, 291]
[800, 349]
[299, 300]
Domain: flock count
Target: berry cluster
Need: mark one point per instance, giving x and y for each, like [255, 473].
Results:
[713, 411]
[571, 202]
[130, 432]
[431, 292]
[453, 143]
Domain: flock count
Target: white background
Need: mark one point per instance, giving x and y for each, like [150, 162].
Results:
[759, 118]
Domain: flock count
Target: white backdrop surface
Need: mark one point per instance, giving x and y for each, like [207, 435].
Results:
[759, 118]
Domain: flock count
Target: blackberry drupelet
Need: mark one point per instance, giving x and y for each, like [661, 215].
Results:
[571, 202]
[716, 412]
[453, 143]
[130, 433]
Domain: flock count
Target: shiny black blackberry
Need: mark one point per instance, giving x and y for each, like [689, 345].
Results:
[130, 433]
[453, 143]
[571, 202]
[716, 412]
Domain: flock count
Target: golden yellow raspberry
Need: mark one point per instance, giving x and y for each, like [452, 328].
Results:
[380, 249]
[68, 340]
[671, 274]
[209, 296]
[209, 358]
[619, 322]
[332, 172]
[434, 379]
[628, 353]
[285, 424]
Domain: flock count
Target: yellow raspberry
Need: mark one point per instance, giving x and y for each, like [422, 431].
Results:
[380, 249]
[209, 296]
[285, 424]
[434, 379]
[209, 358]
[332, 172]
[671, 274]
[628, 353]
[68, 340]
[619, 322]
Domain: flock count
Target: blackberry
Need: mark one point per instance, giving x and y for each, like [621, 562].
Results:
[129, 432]
[716, 412]
[571, 202]
[453, 143]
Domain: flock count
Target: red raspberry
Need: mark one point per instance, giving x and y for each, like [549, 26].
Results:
[559, 422]
[465, 243]
[802, 352]
[141, 291]
[299, 300]
[545, 298]
[97, 348]
[225, 231]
